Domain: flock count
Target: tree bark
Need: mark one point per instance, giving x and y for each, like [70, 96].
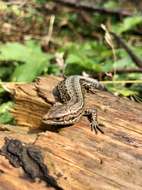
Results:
[75, 156]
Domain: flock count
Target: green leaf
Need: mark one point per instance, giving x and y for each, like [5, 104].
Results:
[127, 24]
[5, 116]
[41, 1]
[111, 4]
[124, 62]
[30, 58]
[126, 92]
[86, 56]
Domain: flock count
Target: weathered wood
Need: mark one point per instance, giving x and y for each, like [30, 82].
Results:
[78, 158]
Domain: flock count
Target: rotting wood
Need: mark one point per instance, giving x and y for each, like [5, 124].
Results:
[75, 156]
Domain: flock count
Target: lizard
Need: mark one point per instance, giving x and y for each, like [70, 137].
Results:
[70, 93]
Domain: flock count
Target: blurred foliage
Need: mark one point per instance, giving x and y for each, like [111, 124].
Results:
[77, 36]
[29, 60]
[5, 116]
[127, 24]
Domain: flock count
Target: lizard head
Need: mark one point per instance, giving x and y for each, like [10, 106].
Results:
[59, 115]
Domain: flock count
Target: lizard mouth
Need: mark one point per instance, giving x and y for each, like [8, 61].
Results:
[59, 121]
[53, 121]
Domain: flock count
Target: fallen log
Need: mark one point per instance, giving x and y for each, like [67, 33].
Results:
[75, 156]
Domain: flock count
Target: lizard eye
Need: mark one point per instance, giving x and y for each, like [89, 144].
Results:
[58, 119]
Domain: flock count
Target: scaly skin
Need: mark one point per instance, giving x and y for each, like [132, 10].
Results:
[71, 92]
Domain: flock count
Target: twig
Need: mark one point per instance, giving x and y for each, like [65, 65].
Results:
[20, 3]
[91, 7]
[51, 27]
[129, 70]
[123, 81]
[132, 55]
[109, 40]
[119, 71]
[47, 39]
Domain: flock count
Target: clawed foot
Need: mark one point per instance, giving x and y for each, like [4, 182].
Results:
[96, 127]
[92, 117]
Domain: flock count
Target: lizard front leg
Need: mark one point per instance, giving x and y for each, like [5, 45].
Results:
[91, 114]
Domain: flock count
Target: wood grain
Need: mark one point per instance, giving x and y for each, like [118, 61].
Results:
[77, 158]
